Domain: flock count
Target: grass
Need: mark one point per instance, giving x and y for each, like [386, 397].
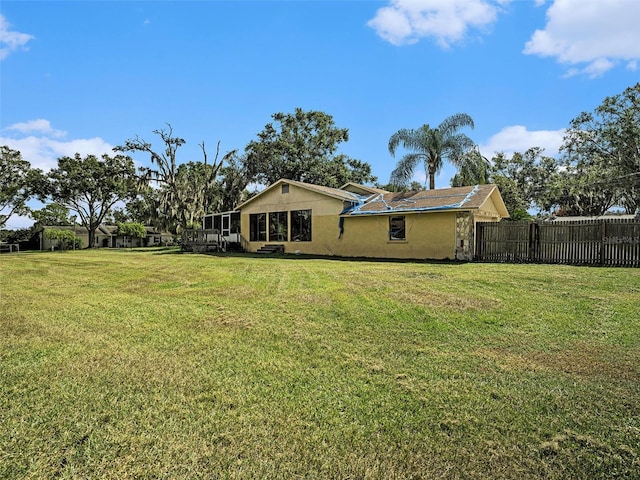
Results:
[153, 364]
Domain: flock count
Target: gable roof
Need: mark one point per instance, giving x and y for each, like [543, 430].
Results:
[362, 189]
[328, 191]
[456, 198]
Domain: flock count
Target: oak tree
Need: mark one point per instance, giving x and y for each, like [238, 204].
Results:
[91, 186]
[303, 146]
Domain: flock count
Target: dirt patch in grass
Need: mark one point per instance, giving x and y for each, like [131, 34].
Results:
[588, 360]
[582, 359]
[221, 316]
[448, 301]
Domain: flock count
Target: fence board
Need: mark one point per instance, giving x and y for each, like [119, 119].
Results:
[614, 242]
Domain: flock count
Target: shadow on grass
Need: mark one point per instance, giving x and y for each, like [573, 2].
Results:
[294, 257]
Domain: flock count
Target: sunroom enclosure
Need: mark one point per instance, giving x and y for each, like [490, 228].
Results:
[219, 232]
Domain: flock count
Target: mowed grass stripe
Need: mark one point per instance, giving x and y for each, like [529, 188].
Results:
[154, 364]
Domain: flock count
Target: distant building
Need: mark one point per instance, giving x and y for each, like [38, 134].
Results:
[106, 236]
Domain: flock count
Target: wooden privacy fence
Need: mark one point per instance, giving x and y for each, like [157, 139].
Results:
[613, 242]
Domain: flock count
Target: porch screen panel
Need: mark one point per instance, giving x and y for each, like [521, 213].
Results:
[235, 222]
[301, 226]
[278, 227]
[217, 223]
[258, 227]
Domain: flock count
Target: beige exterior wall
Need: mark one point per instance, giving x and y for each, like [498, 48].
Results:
[80, 232]
[428, 236]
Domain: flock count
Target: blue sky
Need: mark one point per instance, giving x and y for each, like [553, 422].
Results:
[84, 76]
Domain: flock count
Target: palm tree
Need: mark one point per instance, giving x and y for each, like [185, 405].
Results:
[431, 146]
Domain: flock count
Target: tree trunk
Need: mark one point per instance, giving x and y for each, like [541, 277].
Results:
[432, 179]
[92, 236]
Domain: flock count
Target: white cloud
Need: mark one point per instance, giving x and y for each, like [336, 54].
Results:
[592, 36]
[517, 138]
[404, 22]
[45, 144]
[16, 222]
[40, 125]
[11, 41]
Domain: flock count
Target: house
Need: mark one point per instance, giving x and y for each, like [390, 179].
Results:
[80, 232]
[360, 221]
[106, 236]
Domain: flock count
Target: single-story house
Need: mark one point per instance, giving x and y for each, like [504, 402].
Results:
[361, 221]
[106, 236]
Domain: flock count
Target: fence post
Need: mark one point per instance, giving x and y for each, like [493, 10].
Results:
[479, 242]
[532, 241]
[603, 238]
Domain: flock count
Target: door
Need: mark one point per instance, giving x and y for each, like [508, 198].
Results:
[226, 225]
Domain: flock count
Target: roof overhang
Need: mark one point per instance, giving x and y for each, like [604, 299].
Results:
[336, 193]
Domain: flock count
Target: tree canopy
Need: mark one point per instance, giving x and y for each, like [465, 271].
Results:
[531, 174]
[18, 183]
[303, 146]
[65, 238]
[599, 168]
[232, 186]
[473, 169]
[91, 186]
[183, 192]
[51, 214]
[602, 155]
[431, 146]
[131, 229]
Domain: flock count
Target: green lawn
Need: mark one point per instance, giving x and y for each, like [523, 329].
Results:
[154, 364]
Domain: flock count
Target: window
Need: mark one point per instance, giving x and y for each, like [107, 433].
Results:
[396, 228]
[278, 227]
[285, 188]
[301, 226]
[258, 227]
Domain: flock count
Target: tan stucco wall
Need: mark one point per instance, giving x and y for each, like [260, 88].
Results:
[428, 236]
[488, 212]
